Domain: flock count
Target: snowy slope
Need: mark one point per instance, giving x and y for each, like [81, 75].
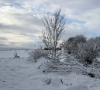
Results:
[21, 74]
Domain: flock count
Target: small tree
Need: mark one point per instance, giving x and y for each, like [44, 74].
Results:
[54, 25]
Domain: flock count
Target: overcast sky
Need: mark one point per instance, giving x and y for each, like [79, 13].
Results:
[21, 25]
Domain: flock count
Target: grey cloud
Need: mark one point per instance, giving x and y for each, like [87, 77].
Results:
[28, 18]
[28, 45]
[70, 33]
[77, 5]
[3, 45]
[9, 2]
[29, 24]
[16, 29]
[31, 44]
[14, 44]
[30, 35]
[3, 38]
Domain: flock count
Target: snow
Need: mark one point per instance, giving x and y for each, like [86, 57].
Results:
[78, 87]
[21, 74]
[10, 53]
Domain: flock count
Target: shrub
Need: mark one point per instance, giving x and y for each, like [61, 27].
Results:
[80, 39]
[36, 54]
[87, 52]
[84, 50]
[16, 55]
[71, 45]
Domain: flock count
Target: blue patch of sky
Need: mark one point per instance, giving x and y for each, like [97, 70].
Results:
[37, 8]
[93, 33]
[49, 13]
[17, 5]
[74, 20]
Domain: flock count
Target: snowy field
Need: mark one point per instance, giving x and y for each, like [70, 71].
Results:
[10, 53]
[21, 74]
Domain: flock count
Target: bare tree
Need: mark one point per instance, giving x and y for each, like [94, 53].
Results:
[54, 25]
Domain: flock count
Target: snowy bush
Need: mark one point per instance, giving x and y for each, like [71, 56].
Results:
[80, 39]
[71, 45]
[87, 52]
[36, 54]
[81, 55]
[97, 42]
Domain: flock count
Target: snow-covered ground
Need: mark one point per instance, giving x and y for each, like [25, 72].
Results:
[10, 53]
[21, 74]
